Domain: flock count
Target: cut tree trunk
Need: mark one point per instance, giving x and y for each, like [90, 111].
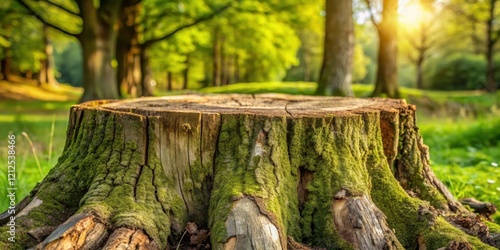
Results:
[259, 172]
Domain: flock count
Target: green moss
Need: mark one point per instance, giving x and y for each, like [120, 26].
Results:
[441, 233]
[332, 148]
[402, 211]
[412, 161]
[494, 228]
[252, 160]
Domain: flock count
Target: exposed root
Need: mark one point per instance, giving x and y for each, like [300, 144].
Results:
[248, 228]
[81, 231]
[126, 238]
[472, 224]
[361, 223]
[485, 209]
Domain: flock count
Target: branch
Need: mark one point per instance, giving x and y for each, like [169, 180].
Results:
[372, 16]
[41, 19]
[151, 22]
[60, 7]
[267, 12]
[148, 43]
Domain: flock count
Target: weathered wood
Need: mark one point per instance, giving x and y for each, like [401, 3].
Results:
[258, 171]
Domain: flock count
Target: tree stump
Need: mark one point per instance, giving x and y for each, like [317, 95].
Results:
[258, 171]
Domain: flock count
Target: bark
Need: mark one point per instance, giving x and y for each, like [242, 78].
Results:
[336, 72]
[258, 171]
[46, 74]
[98, 40]
[387, 70]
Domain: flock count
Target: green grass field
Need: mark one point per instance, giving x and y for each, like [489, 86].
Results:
[465, 148]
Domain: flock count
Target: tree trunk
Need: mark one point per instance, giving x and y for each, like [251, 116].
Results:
[387, 71]
[5, 65]
[98, 40]
[185, 73]
[224, 63]
[127, 48]
[335, 77]
[28, 74]
[491, 86]
[216, 53]
[236, 76]
[48, 65]
[146, 87]
[420, 70]
[169, 81]
[259, 172]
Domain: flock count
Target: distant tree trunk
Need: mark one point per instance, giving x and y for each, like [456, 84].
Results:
[185, 73]
[224, 62]
[420, 73]
[146, 87]
[98, 40]
[387, 71]
[169, 81]
[236, 72]
[48, 65]
[259, 172]
[127, 49]
[216, 56]
[5, 64]
[28, 74]
[491, 86]
[335, 77]
[307, 69]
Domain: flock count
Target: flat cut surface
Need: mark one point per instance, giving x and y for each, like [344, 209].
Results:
[261, 104]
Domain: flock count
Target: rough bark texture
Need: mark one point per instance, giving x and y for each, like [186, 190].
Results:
[335, 78]
[259, 172]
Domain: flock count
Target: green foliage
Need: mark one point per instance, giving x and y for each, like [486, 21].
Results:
[458, 72]
[68, 59]
[20, 38]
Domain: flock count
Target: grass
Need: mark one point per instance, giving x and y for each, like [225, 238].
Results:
[465, 155]
[37, 152]
[21, 90]
[38, 117]
[465, 150]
